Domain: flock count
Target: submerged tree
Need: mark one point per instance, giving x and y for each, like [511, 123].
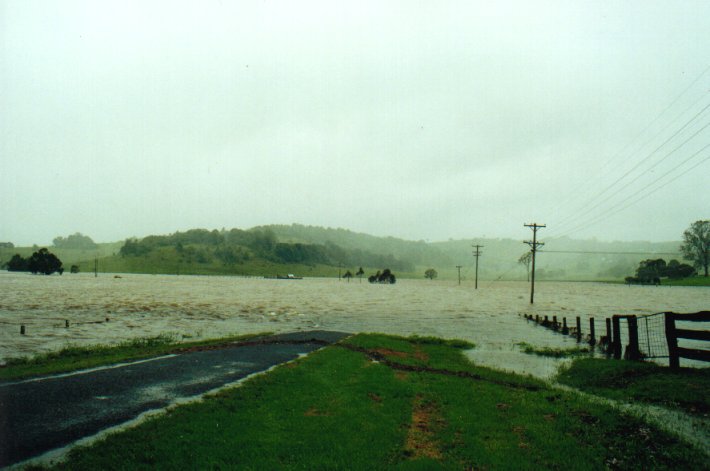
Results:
[359, 274]
[526, 259]
[430, 273]
[696, 244]
[385, 277]
[17, 263]
[43, 261]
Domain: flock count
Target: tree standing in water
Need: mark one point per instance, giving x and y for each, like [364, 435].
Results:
[525, 259]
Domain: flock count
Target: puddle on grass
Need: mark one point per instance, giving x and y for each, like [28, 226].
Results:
[197, 307]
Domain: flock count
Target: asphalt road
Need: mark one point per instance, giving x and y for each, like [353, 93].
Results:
[42, 414]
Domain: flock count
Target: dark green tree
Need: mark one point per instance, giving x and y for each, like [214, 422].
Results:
[651, 269]
[430, 273]
[359, 273]
[45, 262]
[348, 275]
[17, 263]
[696, 244]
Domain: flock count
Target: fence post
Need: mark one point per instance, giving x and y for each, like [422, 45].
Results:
[579, 329]
[22, 329]
[554, 323]
[632, 351]
[565, 329]
[673, 359]
[616, 337]
[608, 332]
[592, 340]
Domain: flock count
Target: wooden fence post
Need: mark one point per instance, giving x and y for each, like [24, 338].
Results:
[608, 331]
[22, 329]
[616, 337]
[592, 340]
[565, 329]
[632, 351]
[672, 340]
[579, 329]
[554, 322]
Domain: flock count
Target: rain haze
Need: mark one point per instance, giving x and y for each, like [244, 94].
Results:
[420, 120]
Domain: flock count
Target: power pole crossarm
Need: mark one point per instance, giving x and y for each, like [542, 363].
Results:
[534, 244]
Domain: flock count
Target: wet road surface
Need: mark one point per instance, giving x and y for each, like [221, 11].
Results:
[42, 414]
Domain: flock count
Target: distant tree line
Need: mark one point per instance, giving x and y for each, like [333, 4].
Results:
[238, 246]
[651, 271]
[74, 241]
[41, 261]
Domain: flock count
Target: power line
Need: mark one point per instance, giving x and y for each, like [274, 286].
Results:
[587, 184]
[616, 209]
[577, 216]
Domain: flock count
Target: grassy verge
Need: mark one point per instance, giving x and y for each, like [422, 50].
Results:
[380, 402]
[73, 358]
[694, 281]
[552, 352]
[685, 389]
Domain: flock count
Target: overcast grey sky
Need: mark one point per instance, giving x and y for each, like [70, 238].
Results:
[422, 120]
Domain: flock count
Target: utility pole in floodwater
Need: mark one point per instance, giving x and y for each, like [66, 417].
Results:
[477, 253]
[534, 244]
[96, 267]
[459, 268]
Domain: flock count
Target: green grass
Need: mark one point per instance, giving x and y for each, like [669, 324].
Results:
[166, 261]
[685, 389]
[552, 352]
[693, 281]
[72, 357]
[338, 409]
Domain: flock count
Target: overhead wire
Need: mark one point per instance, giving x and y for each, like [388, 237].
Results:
[628, 203]
[584, 214]
[588, 183]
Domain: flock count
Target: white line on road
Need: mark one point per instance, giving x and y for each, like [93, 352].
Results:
[89, 370]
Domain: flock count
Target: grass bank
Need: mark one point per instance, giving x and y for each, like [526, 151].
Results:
[693, 281]
[382, 402]
[72, 358]
[685, 389]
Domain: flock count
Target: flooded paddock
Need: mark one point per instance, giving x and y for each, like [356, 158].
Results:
[196, 307]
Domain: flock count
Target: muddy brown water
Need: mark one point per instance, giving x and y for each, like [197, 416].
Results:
[197, 307]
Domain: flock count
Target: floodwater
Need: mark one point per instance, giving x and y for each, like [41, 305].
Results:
[197, 307]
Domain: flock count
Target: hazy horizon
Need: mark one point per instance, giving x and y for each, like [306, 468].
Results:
[449, 120]
[450, 239]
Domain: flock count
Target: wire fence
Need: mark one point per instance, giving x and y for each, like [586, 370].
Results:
[652, 336]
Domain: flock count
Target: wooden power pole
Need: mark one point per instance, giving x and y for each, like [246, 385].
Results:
[534, 244]
[459, 269]
[477, 253]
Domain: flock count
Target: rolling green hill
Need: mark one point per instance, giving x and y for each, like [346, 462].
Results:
[319, 251]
